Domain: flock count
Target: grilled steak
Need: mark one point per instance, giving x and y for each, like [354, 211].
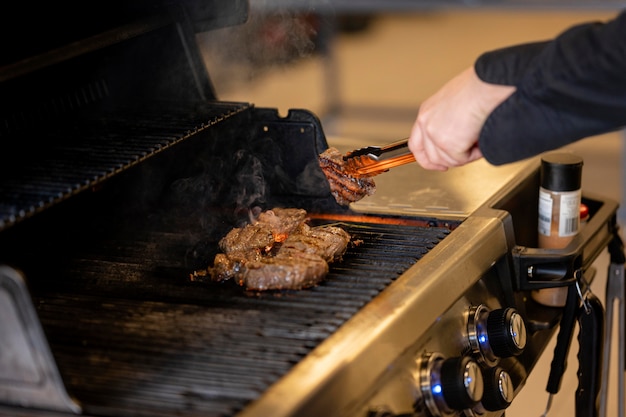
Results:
[270, 227]
[328, 242]
[285, 271]
[296, 257]
[345, 187]
[243, 239]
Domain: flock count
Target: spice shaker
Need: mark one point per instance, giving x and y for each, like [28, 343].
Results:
[559, 212]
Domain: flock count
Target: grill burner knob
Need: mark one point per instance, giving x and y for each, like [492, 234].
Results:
[500, 333]
[449, 384]
[499, 389]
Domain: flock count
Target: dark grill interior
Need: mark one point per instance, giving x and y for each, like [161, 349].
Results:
[142, 340]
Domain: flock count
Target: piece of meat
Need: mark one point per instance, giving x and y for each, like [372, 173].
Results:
[282, 221]
[247, 238]
[328, 242]
[299, 261]
[285, 271]
[344, 186]
[228, 266]
[270, 227]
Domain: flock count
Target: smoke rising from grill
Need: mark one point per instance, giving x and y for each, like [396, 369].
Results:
[270, 38]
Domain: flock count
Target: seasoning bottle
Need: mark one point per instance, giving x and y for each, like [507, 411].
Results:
[559, 212]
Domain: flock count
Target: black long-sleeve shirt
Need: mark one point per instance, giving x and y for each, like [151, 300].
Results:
[568, 88]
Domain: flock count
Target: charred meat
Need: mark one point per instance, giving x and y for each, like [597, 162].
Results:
[279, 251]
[329, 242]
[344, 186]
[270, 227]
[285, 271]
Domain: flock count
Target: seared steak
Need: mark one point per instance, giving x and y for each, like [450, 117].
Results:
[270, 227]
[328, 242]
[344, 186]
[251, 237]
[279, 251]
[293, 271]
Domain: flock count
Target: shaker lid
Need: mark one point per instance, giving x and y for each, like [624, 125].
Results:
[561, 171]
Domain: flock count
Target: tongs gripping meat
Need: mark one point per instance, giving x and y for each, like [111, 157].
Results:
[374, 160]
[345, 186]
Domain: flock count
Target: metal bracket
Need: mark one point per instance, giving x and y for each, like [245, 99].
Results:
[29, 376]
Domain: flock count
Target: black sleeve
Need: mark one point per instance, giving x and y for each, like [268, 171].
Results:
[567, 89]
[507, 66]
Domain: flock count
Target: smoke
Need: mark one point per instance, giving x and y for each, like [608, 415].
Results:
[273, 36]
[250, 187]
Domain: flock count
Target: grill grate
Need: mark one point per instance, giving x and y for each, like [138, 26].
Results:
[145, 341]
[65, 163]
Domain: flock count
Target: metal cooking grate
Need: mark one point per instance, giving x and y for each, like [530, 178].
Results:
[84, 156]
[143, 341]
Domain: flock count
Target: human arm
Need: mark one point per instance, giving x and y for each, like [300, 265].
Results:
[527, 99]
[575, 87]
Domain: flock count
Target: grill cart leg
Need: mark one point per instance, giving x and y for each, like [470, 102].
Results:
[615, 293]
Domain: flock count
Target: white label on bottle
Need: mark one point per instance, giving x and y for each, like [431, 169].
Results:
[545, 212]
[569, 214]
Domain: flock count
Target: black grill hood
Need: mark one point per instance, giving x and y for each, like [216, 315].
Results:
[30, 29]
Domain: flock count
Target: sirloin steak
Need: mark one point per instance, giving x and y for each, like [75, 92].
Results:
[278, 251]
[345, 187]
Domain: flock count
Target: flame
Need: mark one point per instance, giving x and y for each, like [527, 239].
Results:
[280, 237]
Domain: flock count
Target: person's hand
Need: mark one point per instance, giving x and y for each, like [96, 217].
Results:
[446, 130]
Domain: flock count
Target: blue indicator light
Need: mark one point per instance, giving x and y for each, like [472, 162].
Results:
[437, 389]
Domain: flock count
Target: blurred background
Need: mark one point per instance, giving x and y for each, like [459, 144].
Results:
[364, 70]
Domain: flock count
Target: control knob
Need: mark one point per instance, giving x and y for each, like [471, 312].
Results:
[495, 334]
[499, 391]
[449, 384]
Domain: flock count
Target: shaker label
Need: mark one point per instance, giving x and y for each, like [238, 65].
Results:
[545, 212]
[569, 217]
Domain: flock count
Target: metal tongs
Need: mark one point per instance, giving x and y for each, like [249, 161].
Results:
[374, 160]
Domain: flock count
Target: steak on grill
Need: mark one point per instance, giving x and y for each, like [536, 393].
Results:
[279, 251]
[270, 227]
[329, 242]
[285, 271]
[345, 187]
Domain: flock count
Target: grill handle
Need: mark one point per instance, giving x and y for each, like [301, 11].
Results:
[590, 341]
[563, 341]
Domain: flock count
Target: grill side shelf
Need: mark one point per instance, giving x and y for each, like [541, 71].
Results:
[87, 155]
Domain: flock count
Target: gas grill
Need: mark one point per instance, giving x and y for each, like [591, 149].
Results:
[121, 170]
